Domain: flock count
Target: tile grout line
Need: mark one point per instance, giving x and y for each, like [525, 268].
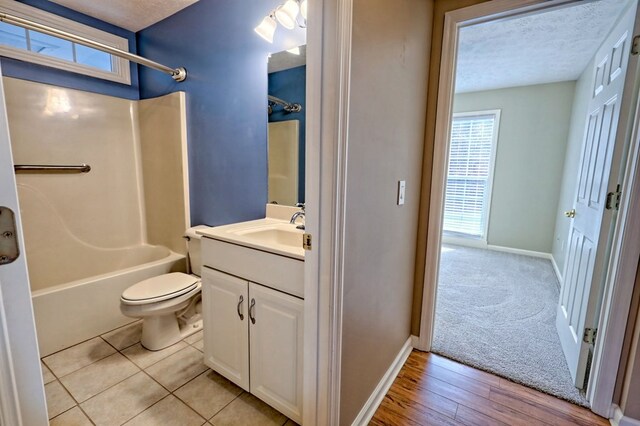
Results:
[69, 347]
[78, 404]
[71, 372]
[91, 363]
[161, 359]
[226, 405]
[204, 372]
[119, 350]
[75, 406]
[143, 370]
[158, 402]
[172, 394]
[105, 389]
[86, 415]
[160, 384]
[176, 352]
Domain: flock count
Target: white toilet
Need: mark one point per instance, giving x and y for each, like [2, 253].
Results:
[169, 304]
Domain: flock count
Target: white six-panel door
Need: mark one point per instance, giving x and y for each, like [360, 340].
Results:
[226, 325]
[579, 295]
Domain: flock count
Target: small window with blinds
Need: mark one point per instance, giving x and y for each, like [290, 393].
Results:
[470, 173]
[32, 46]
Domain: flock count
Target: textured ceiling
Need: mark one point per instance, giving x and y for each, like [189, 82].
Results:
[133, 15]
[534, 49]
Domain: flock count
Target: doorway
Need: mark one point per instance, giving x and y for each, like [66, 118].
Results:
[531, 137]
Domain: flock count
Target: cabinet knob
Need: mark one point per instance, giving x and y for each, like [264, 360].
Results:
[240, 314]
[252, 307]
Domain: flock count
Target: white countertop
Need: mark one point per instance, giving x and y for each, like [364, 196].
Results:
[240, 234]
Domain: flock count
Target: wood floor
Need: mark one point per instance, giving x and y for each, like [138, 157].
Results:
[433, 390]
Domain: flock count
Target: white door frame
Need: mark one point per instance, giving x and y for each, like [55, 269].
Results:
[9, 404]
[626, 246]
[22, 398]
[328, 71]
[328, 76]
[621, 276]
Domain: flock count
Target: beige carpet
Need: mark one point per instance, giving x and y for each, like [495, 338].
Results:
[496, 311]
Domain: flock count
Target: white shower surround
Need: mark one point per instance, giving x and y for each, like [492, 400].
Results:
[90, 236]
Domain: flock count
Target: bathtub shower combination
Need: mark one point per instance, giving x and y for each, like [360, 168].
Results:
[89, 236]
[78, 310]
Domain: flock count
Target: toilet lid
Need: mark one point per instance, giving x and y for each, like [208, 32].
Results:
[161, 287]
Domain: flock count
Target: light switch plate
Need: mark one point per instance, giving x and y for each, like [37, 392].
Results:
[401, 188]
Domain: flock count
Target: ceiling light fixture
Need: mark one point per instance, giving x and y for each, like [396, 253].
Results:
[267, 28]
[303, 9]
[287, 14]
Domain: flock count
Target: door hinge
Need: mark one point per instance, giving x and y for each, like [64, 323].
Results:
[9, 250]
[635, 45]
[306, 241]
[590, 335]
[613, 199]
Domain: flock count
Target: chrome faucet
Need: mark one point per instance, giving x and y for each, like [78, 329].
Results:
[296, 215]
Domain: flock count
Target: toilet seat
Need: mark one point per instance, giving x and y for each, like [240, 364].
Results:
[160, 288]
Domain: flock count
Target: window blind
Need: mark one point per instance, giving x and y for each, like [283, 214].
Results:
[466, 196]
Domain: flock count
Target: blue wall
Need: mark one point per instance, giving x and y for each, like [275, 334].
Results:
[290, 86]
[226, 93]
[41, 74]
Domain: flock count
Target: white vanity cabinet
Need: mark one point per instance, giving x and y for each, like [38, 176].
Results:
[253, 337]
[226, 341]
[275, 341]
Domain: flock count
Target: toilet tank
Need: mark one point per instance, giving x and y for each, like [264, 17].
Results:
[195, 249]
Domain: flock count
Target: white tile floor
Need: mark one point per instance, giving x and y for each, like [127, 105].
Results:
[112, 380]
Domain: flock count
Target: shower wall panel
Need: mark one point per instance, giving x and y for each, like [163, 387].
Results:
[66, 215]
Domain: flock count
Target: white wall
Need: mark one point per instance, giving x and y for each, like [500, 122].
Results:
[532, 140]
[572, 164]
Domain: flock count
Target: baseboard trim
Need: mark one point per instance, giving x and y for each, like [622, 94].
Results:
[415, 342]
[556, 270]
[470, 242]
[465, 242]
[520, 251]
[366, 414]
[619, 419]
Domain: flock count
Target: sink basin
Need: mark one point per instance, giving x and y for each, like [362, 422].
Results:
[275, 235]
[270, 235]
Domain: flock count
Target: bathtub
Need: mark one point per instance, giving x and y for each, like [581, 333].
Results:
[70, 312]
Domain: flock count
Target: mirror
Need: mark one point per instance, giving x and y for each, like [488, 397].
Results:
[286, 127]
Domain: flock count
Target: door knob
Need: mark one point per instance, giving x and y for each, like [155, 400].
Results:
[570, 213]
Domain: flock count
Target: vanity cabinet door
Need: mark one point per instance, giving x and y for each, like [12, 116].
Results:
[226, 325]
[276, 336]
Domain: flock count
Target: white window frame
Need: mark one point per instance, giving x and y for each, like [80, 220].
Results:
[460, 238]
[120, 67]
